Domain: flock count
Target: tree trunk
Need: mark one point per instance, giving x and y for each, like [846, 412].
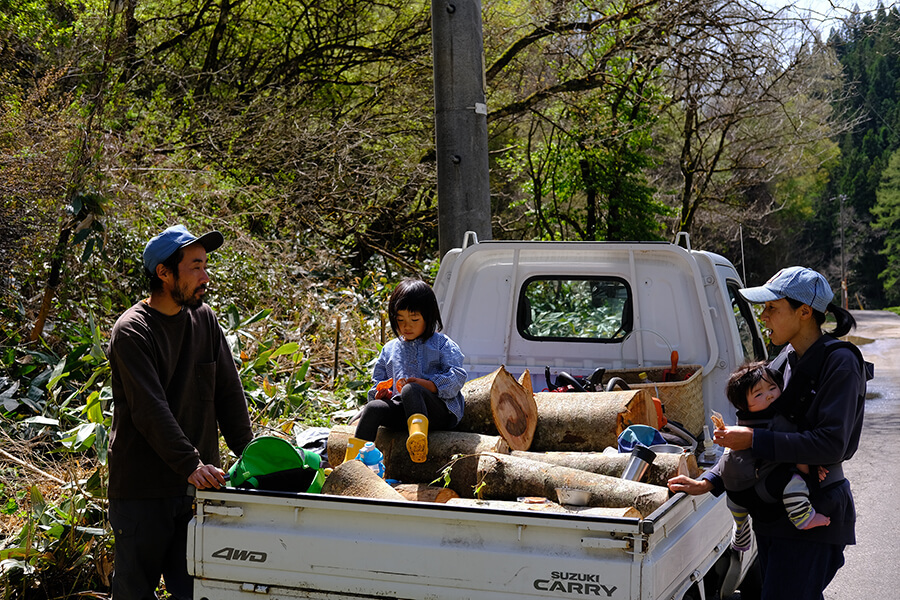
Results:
[664, 467]
[56, 261]
[211, 61]
[549, 507]
[505, 477]
[420, 492]
[353, 478]
[444, 447]
[497, 404]
[588, 421]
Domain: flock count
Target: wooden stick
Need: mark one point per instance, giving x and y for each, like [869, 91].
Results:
[337, 346]
[31, 467]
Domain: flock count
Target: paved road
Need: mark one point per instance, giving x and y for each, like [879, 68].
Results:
[872, 571]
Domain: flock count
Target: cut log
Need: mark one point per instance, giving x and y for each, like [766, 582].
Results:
[525, 382]
[664, 467]
[497, 404]
[443, 446]
[549, 506]
[504, 477]
[588, 421]
[353, 478]
[336, 446]
[420, 492]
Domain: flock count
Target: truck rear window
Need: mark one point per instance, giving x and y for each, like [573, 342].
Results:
[574, 308]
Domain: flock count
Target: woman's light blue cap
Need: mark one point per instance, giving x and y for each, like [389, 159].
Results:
[797, 283]
[163, 245]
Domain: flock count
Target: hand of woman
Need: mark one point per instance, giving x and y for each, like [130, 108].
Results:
[692, 487]
[734, 437]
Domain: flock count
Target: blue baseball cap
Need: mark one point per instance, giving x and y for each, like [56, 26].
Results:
[166, 243]
[797, 283]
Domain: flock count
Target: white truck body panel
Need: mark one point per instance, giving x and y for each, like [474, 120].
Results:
[682, 304]
[252, 544]
[309, 546]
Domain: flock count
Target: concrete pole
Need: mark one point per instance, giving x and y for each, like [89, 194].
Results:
[460, 122]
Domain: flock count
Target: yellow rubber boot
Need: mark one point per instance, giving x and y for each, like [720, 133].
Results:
[417, 443]
[354, 445]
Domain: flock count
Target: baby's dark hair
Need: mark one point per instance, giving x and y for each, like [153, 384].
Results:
[745, 377]
[415, 295]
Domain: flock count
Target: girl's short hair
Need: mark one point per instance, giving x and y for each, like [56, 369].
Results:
[414, 295]
[745, 377]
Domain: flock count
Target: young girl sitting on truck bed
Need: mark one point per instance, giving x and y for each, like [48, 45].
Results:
[418, 375]
[753, 483]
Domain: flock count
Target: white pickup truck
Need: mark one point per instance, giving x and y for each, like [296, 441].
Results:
[570, 306]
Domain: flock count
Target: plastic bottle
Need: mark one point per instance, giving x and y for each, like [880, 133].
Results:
[372, 458]
[709, 449]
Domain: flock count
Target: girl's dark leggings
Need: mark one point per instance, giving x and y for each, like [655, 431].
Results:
[393, 413]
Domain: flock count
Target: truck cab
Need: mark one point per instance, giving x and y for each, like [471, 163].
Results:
[577, 306]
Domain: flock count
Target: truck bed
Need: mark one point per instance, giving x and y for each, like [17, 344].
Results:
[287, 545]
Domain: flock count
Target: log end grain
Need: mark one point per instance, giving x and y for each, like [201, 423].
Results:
[514, 411]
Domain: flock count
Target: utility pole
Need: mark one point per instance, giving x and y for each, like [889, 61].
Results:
[460, 122]
[843, 273]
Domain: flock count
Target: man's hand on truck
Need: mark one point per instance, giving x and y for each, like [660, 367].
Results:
[207, 476]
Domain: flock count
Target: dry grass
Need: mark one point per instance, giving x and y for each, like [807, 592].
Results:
[28, 464]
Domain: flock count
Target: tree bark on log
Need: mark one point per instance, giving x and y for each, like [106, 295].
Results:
[552, 507]
[353, 478]
[421, 492]
[505, 477]
[588, 421]
[664, 467]
[443, 446]
[497, 404]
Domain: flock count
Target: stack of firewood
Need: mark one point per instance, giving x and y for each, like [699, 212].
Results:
[514, 448]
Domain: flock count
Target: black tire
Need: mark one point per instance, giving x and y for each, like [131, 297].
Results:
[751, 586]
[693, 593]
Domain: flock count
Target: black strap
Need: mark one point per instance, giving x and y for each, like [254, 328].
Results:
[800, 392]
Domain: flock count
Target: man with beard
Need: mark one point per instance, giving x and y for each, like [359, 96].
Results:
[174, 385]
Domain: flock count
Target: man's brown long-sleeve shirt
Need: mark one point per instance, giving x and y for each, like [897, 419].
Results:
[174, 384]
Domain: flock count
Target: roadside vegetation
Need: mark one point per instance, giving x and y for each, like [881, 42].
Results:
[304, 132]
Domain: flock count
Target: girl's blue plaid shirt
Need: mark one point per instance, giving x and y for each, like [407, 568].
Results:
[437, 359]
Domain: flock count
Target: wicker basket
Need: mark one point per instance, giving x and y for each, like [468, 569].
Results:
[683, 400]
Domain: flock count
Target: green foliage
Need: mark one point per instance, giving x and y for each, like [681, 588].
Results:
[576, 309]
[66, 397]
[887, 218]
[44, 24]
[869, 53]
[60, 549]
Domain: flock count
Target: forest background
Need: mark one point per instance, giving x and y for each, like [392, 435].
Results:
[304, 132]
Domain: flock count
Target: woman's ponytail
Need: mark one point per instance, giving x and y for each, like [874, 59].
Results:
[844, 320]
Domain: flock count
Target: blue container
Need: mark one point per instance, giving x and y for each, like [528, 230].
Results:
[372, 458]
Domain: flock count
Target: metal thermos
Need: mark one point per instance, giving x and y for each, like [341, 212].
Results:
[638, 463]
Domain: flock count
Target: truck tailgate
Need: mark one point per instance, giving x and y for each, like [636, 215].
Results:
[309, 546]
